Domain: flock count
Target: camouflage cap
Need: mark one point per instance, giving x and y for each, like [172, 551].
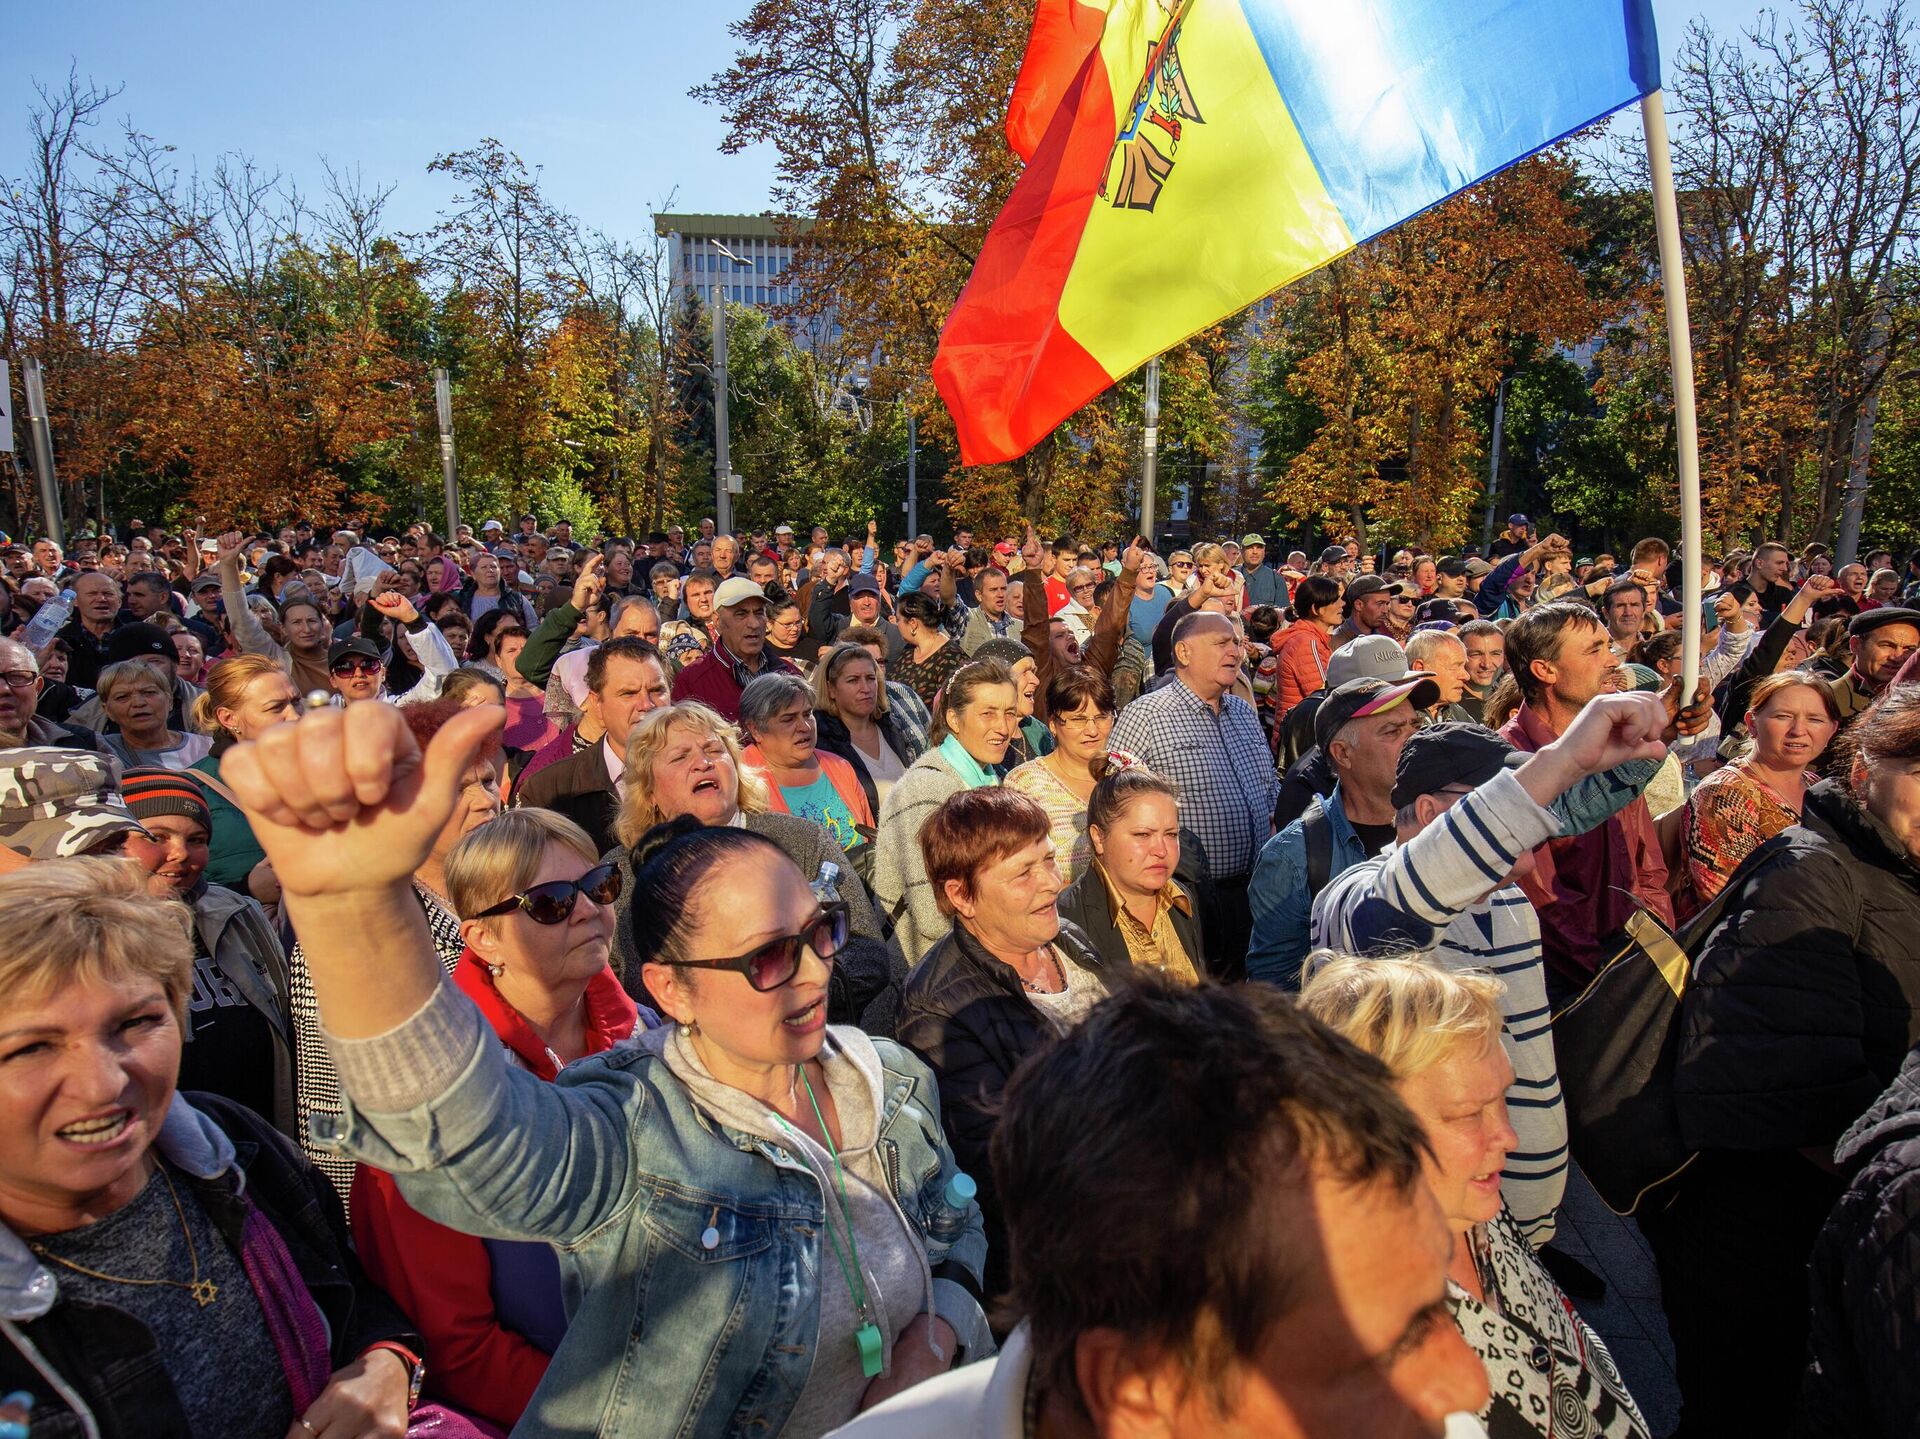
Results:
[58, 803]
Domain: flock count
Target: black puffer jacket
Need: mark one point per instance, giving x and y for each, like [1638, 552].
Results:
[1864, 1379]
[968, 1016]
[1806, 996]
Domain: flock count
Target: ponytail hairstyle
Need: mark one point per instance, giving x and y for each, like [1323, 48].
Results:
[921, 606]
[1123, 781]
[674, 864]
[227, 686]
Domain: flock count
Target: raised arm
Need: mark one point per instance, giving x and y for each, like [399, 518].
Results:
[1103, 646]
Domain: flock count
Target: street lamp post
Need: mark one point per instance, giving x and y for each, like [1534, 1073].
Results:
[725, 483]
[40, 433]
[443, 408]
[1150, 465]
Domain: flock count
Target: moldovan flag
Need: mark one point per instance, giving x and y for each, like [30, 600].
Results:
[1186, 158]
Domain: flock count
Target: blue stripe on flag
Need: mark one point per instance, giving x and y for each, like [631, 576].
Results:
[1403, 102]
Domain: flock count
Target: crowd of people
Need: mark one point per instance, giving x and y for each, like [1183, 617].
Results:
[759, 984]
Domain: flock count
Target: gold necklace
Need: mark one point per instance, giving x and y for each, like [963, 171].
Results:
[204, 1291]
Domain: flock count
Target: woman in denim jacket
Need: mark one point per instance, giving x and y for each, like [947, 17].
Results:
[758, 1223]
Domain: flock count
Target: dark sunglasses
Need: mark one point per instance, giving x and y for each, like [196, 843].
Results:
[360, 666]
[553, 902]
[778, 960]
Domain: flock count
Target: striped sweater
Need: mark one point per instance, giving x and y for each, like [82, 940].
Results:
[1437, 895]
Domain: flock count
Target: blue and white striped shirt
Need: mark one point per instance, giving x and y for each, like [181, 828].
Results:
[1440, 894]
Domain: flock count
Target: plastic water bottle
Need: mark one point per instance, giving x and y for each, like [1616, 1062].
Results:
[47, 620]
[949, 1220]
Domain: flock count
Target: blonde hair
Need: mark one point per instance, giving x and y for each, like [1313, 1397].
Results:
[227, 685]
[639, 811]
[126, 672]
[1407, 1012]
[91, 920]
[502, 856]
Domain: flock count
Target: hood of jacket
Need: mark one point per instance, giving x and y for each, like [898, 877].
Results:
[188, 1140]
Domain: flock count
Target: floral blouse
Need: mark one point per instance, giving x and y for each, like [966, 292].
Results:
[1730, 815]
[924, 678]
[1551, 1375]
[1066, 815]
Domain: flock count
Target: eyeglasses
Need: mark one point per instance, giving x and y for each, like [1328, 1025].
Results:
[20, 679]
[778, 960]
[356, 665]
[553, 902]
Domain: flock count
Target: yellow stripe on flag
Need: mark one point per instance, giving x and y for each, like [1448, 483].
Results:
[1237, 207]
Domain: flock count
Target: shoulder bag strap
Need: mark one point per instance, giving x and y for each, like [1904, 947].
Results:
[1318, 830]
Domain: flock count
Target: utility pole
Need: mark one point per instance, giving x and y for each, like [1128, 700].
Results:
[449, 471]
[722, 459]
[1150, 464]
[1853, 509]
[53, 521]
[1493, 462]
[913, 476]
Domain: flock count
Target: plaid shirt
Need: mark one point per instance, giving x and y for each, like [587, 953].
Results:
[1218, 759]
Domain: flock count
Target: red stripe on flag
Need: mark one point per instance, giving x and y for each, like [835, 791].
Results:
[1006, 368]
[1064, 34]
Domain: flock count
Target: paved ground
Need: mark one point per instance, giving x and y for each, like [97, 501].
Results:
[1629, 1318]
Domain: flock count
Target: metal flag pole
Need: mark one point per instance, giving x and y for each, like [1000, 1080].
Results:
[53, 521]
[1686, 430]
[449, 470]
[1150, 464]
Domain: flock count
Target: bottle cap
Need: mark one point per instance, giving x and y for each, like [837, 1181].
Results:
[961, 1190]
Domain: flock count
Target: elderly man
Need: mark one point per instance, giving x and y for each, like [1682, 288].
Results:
[1879, 642]
[739, 651]
[1360, 728]
[1330, 1321]
[148, 594]
[96, 609]
[1441, 654]
[20, 720]
[1196, 732]
[626, 678]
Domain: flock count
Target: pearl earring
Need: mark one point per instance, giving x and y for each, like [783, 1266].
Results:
[496, 970]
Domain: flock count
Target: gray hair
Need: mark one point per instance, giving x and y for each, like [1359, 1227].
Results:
[1422, 643]
[766, 695]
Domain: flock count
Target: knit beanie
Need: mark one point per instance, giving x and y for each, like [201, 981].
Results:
[151, 791]
[1008, 652]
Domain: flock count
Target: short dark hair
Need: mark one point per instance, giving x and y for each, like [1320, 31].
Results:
[1122, 1117]
[1620, 587]
[626, 647]
[1315, 592]
[973, 829]
[1078, 685]
[1538, 635]
[1478, 629]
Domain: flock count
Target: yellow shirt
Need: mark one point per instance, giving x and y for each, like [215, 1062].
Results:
[1156, 946]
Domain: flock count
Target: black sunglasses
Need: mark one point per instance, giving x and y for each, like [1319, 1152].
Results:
[355, 666]
[778, 960]
[553, 902]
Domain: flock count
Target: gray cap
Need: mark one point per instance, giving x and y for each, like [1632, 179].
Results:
[57, 803]
[1369, 657]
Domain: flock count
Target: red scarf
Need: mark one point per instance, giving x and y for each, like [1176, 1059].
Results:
[611, 1014]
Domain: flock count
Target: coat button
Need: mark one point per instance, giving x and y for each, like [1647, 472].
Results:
[1541, 1360]
[709, 1238]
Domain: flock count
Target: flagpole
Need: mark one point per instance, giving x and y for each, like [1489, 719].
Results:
[1673, 276]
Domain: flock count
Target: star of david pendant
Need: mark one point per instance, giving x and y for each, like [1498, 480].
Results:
[204, 1291]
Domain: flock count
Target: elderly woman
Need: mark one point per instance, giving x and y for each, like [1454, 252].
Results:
[477, 801]
[1438, 1031]
[1142, 898]
[1801, 1010]
[853, 721]
[1791, 719]
[535, 965]
[1007, 976]
[137, 698]
[980, 710]
[240, 1036]
[1031, 737]
[1080, 713]
[244, 695]
[776, 715]
[750, 1207]
[684, 759]
[174, 1266]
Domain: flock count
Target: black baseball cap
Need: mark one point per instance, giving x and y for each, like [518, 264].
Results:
[1361, 699]
[1333, 554]
[1442, 755]
[131, 641]
[1452, 566]
[358, 645]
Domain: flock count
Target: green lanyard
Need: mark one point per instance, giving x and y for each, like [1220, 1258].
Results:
[867, 1336]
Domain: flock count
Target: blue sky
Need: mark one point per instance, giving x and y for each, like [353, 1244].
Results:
[593, 93]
